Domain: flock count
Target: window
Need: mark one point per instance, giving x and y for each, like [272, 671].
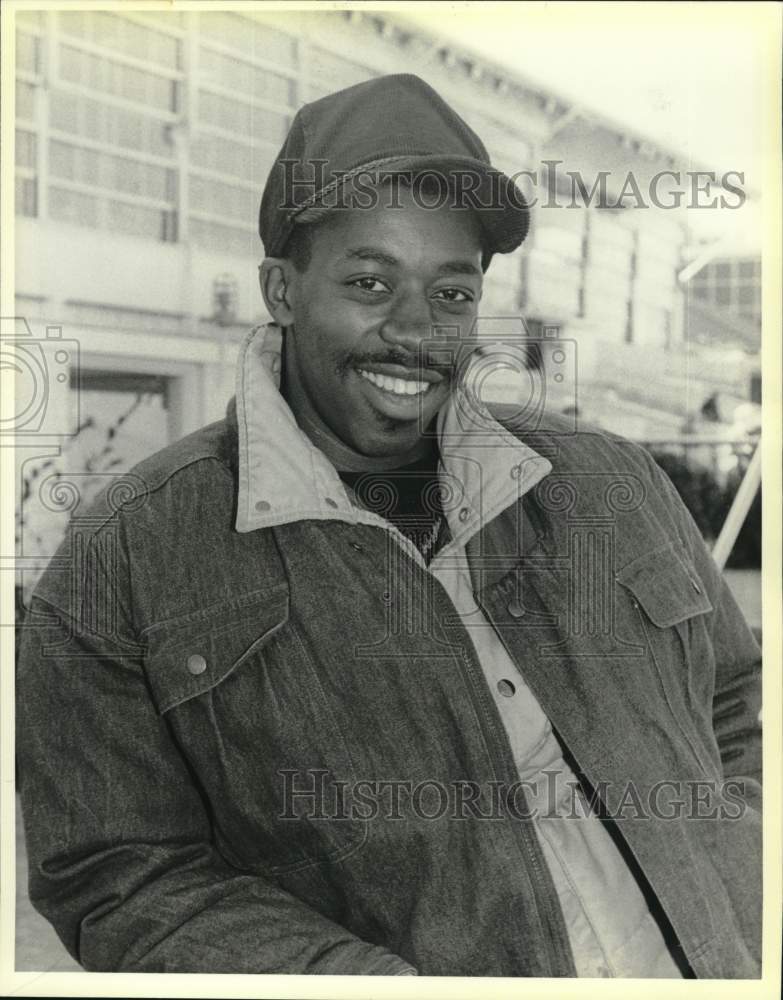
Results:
[223, 156]
[248, 36]
[62, 161]
[127, 37]
[252, 81]
[25, 100]
[28, 52]
[749, 268]
[72, 206]
[723, 270]
[224, 239]
[26, 145]
[26, 196]
[337, 72]
[81, 115]
[133, 220]
[749, 295]
[127, 82]
[228, 200]
[251, 122]
[169, 230]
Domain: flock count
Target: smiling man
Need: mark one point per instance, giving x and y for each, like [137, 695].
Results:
[372, 677]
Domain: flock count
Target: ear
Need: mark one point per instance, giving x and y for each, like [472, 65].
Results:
[276, 278]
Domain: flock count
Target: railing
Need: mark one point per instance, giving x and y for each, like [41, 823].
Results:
[707, 451]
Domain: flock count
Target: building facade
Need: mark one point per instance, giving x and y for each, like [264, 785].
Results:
[143, 141]
[731, 284]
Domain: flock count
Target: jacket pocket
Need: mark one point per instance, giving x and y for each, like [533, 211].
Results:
[672, 604]
[244, 700]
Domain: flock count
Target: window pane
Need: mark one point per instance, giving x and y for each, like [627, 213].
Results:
[27, 52]
[25, 149]
[70, 64]
[245, 78]
[274, 45]
[269, 86]
[94, 119]
[64, 111]
[723, 271]
[134, 220]
[224, 239]
[26, 196]
[207, 195]
[72, 206]
[227, 29]
[249, 37]
[222, 155]
[749, 268]
[128, 129]
[25, 100]
[268, 126]
[62, 160]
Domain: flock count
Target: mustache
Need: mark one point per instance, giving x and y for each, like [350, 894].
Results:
[442, 360]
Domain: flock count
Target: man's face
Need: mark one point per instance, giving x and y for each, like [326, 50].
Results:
[378, 284]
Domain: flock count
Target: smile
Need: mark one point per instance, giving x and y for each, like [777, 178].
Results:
[397, 386]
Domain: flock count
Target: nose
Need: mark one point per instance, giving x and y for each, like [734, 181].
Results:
[408, 323]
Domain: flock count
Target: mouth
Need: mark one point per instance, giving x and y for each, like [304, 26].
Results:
[396, 394]
[395, 385]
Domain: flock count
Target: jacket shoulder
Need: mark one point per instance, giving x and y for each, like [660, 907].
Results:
[210, 443]
[193, 463]
[574, 445]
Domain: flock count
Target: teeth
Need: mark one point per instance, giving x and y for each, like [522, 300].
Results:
[399, 386]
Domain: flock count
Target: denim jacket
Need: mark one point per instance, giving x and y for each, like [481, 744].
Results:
[203, 712]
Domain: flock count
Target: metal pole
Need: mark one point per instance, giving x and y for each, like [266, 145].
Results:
[739, 510]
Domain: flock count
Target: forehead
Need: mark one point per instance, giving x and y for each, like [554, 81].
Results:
[410, 228]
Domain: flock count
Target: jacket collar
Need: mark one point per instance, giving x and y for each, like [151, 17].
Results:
[283, 477]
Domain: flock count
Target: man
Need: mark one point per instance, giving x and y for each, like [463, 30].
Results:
[358, 680]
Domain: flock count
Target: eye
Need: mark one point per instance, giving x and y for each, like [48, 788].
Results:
[369, 283]
[456, 295]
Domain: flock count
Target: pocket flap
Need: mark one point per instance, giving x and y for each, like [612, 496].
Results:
[187, 656]
[666, 586]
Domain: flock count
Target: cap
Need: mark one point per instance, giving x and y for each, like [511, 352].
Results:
[384, 126]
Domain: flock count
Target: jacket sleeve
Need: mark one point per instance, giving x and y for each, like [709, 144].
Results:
[121, 855]
[737, 694]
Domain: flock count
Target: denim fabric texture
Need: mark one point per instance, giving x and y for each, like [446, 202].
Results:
[176, 672]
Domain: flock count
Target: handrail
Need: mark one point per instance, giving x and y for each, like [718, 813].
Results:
[695, 440]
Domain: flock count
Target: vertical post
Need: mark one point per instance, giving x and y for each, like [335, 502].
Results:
[739, 510]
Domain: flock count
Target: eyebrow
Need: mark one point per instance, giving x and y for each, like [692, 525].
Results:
[381, 257]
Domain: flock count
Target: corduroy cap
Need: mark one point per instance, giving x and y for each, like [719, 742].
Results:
[390, 125]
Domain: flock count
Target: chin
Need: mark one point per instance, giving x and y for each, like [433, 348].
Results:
[387, 447]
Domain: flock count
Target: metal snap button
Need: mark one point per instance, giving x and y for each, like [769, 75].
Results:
[197, 664]
[357, 546]
[263, 505]
[329, 502]
[464, 514]
[506, 688]
[516, 609]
